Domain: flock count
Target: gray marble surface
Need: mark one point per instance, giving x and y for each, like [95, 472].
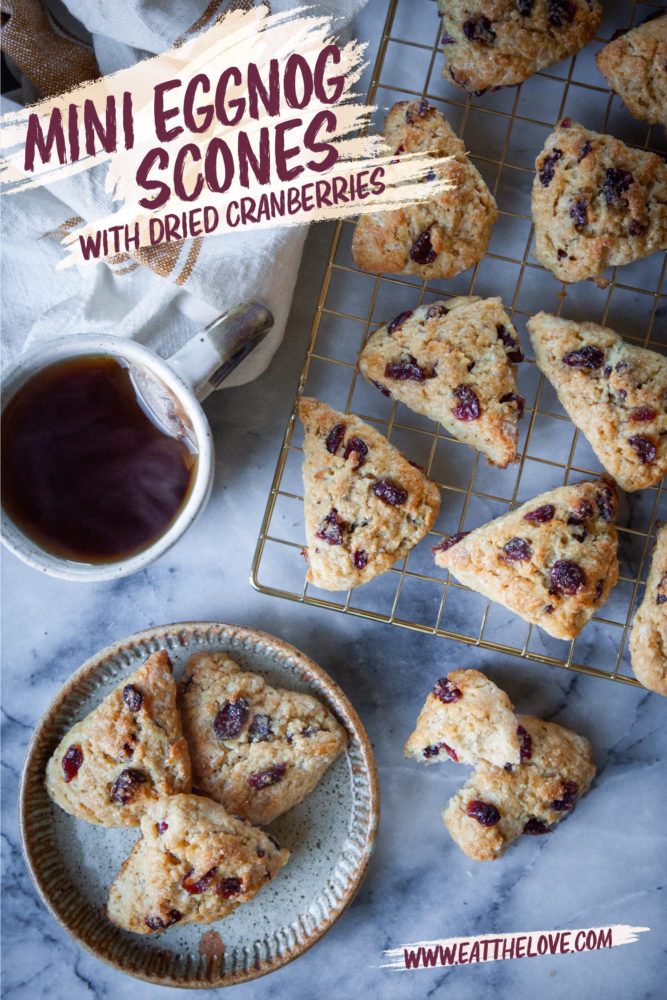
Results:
[605, 865]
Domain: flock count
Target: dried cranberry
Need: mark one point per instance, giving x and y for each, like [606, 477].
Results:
[525, 743]
[448, 542]
[584, 151]
[581, 513]
[231, 718]
[309, 731]
[514, 352]
[398, 321]
[431, 751]
[422, 251]
[390, 492]
[561, 254]
[541, 514]
[516, 550]
[616, 181]
[567, 577]
[599, 587]
[661, 598]
[228, 887]
[450, 750]
[621, 365]
[125, 786]
[334, 438]
[273, 841]
[260, 729]
[196, 888]
[437, 310]
[566, 803]
[359, 448]
[560, 12]
[644, 447]
[72, 761]
[260, 853]
[549, 609]
[330, 528]
[132, 697]
[478, 29]
[446, 691]
[637, 228]
[566, 123]
[128, 750]
[468, 407]
[417, 112]
[447, 39]
[546, 172]
[262, 779]
[606, 502]
[483, 812]
[383, 389]
[525, 7]
[359, 559]
[579, 212]
[514, 397]
[159, 924]
[642, 414]
[161, 826]
[406, 369]
[585, 357]
[536, 827]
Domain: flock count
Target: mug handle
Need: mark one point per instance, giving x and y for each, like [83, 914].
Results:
[206, 360]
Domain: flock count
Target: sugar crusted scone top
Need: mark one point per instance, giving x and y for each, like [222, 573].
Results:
[634, 66]
[648, 637]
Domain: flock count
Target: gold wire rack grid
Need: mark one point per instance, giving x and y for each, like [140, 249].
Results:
[503, 132]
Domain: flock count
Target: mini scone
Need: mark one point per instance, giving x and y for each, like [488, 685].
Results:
[468, 719]
[443, 236]
[256, 749]
[648, 636]
[496, 805]
[614, 392]
[552, 561]
[365, 504]
[126, 753]
[596, 203]
[634, 66]
[499, 43]
[453, 362]
[194, 864]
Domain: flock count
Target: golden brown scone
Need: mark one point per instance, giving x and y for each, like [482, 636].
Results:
[256, 749]
[499, 43]
[452, 361]
[468, 718]
[126, 753]
[596, 203]
[496, 805]
[648, 637]
[552, 561]
[634, 66]
[193, 864]
[443, 236]
[366, 506]
[614, 392]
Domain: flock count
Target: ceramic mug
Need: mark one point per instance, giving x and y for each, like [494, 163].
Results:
[186, 378]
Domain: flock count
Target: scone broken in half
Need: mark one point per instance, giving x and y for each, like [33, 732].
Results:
[552, 561]
[256, 749]
[614, 392]
[634, 66]
[648, 638]
[365, 504]
[468, 719]
[126, 753]
[453, 362]
[193, 864]
[440, 237]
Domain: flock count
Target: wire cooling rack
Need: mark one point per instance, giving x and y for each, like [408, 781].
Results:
[503, 132]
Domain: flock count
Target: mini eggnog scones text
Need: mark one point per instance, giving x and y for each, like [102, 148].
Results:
[634, 66]
[552, 561]
[126, 754]
[596, 202]
[453, 362]
[440, 237]
[496, 805]
[614, 392]
[257, 750]
[468, 719]
[498, 43]
[193, 864]
[366, 506]
[648, 638]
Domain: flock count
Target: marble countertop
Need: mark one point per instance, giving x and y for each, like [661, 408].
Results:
[604, 866]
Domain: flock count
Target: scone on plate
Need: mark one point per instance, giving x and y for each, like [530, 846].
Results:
[634, 66]
[614, 392]
[193, 864]
[552, 561]
[453, 362]
[366, 505]
[497, 805]
[596, 203]
[648, 637]
[468, 719]
[498, 43]
[440, 237]
[256, 749]
[126, 753]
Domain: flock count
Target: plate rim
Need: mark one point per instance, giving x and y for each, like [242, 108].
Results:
[352, 723]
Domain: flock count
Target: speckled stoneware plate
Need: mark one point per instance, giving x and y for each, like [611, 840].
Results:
[331, 834]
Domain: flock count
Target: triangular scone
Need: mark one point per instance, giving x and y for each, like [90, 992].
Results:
[614, 392]
[496, 805]
[452, 361]
[648, 637]
[552, 561]
[634, 66]
[443, 236]
[256, 749]
[194, 864]
[596, 202]
[366, 505]
[468, 719]
[126, 753]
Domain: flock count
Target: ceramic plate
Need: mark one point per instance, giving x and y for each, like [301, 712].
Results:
[331, 834]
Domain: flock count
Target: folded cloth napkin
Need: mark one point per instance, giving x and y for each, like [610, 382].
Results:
[159, 295]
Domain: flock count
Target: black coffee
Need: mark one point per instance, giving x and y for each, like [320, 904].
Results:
[86, 473]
